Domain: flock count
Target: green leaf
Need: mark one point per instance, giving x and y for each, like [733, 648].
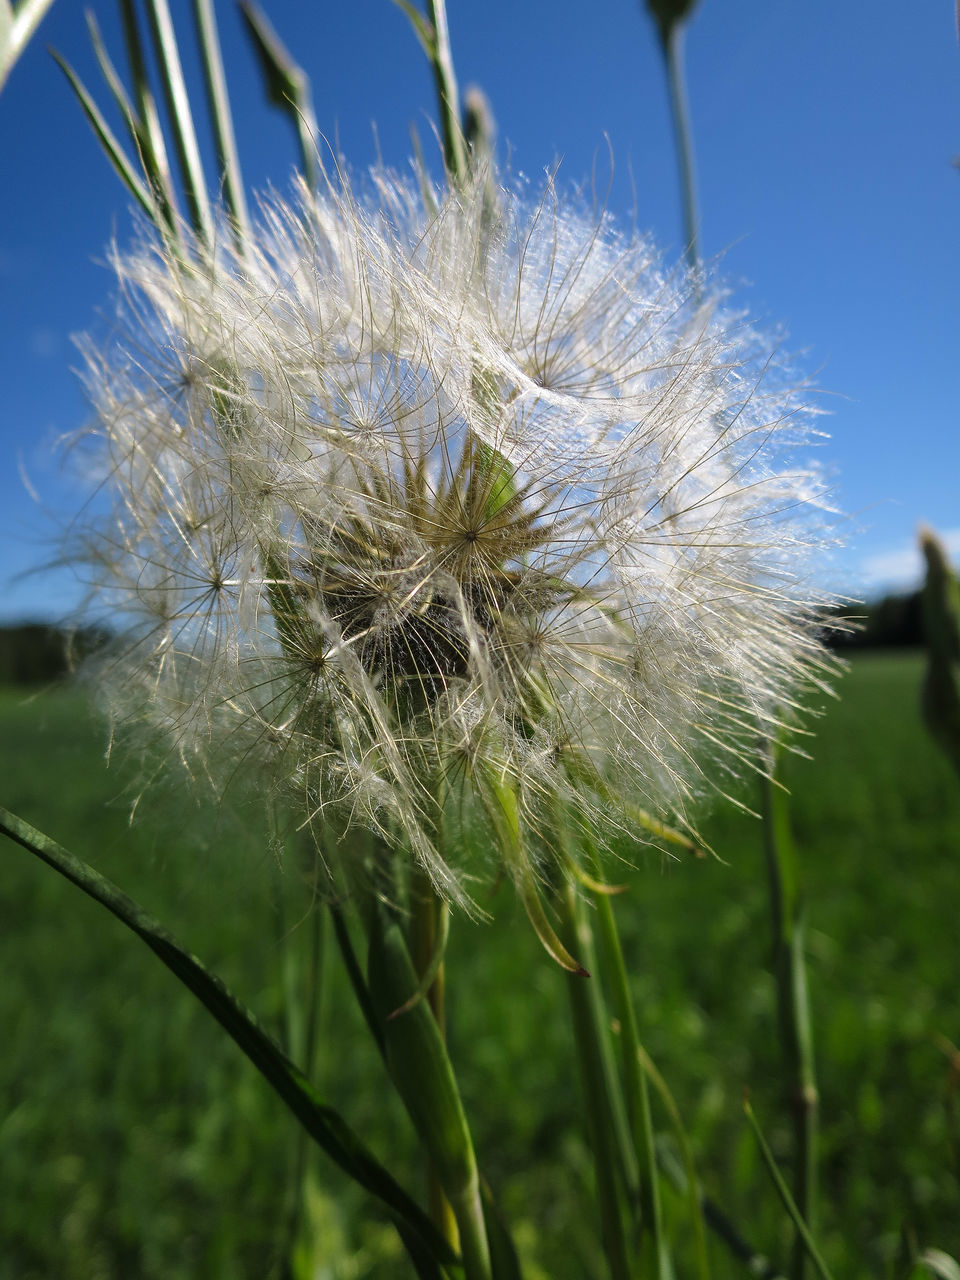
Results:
[181, 117]
[691, 1187]
[321, 1121]
[218, 102]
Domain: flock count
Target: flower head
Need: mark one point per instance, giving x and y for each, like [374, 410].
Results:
[410, 497]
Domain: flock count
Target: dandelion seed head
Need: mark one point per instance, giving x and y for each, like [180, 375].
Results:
[402, 494]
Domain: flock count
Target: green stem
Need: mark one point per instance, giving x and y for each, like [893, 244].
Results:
[590, 1037]
[181, 118]
[222, 118]
[672, 44]
[638, 1099]
[423, 1074]
[287, 84]
[793, 1006]
[448, 95]
[425, 913]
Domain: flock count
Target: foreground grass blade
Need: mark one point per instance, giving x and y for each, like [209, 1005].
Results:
[153, 148]
[181, 118]
[287, 85]
[16, 28]
[106, 138]
[686, 1151]
[222, 118]
[783, 1191]
[322, 1122]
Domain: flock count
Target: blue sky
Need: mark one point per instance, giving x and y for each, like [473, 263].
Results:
[825, 136]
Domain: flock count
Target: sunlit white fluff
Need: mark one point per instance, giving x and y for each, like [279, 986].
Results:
[408, 501]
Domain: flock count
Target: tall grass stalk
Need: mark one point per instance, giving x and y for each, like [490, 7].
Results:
[635, 1082]
[602, 1104]
[793, 1006]
[672, 44]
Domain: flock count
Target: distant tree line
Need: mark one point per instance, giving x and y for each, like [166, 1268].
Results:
[892, 622]
[36, 653]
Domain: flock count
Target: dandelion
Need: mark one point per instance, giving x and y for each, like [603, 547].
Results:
[422, 497]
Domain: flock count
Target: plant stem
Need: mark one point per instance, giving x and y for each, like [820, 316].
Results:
[589, 1033]
[448, 95]
[222, 119]
[672, 45]
[793, 1006]
[637, 1095]
[425, 908]
[421, 1069]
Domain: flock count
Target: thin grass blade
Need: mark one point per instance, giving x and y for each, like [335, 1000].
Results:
[689, 1165]
[16, 29]
[115, 153]
[219, 103]
[635, 1082]
[152, 144]
[783, 1191]
[156, 173]
[321, 1121]
[423, 1074]
[181, 118]
[287, 84]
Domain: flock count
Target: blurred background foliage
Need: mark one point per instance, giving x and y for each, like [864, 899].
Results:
[135, 1140]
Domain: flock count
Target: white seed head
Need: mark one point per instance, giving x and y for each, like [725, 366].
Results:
[402, 497]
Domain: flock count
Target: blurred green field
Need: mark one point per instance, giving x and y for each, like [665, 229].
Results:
[135, 1141]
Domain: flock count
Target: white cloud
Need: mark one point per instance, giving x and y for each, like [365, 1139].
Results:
[901, 567]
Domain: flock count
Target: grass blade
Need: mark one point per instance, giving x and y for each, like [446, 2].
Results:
[16, 28]
[105, 136]
[287, 84]
[689, 1167]
[181, 118]
[783, 1191]
[322, 1122]
[423, 1074]
[157, 176]
[605, 1120]
[153, 148]
[222, 117]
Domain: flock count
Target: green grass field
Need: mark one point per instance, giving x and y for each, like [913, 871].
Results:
[135, 1141]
